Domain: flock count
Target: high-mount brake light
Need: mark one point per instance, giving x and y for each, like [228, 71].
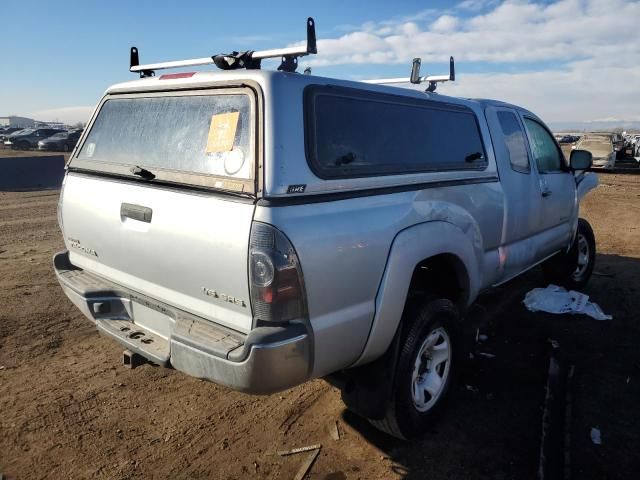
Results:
[173, 76]
[277, 284]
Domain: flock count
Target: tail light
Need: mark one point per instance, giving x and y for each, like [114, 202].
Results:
[59, 209]
[276, 282]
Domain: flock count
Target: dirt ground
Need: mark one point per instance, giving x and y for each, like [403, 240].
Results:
[7, 152]
[70, 410]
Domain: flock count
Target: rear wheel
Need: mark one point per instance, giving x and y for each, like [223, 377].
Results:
[573, 269]
[425, 369]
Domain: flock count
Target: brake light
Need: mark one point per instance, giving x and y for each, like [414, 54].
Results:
[173, 76]
[277, 284]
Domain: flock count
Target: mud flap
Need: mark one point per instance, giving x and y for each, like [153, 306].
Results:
[366, 390]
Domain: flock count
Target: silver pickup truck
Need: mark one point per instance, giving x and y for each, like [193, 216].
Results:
[259, 229]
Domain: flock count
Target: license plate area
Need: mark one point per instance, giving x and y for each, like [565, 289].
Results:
[154, 320]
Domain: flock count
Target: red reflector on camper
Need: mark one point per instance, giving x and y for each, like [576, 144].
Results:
[173, 76]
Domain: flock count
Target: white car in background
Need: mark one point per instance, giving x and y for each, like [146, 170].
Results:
[602, 148]
[635, 147]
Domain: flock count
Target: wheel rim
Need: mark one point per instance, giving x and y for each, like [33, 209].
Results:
[583, 257]
[431, 370]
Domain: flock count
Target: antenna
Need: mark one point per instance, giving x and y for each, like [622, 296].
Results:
[417, 79]
[249, 59]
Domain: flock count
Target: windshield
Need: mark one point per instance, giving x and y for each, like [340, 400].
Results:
[201, 134]
[26, 131]
[58, 136]
[596, 142]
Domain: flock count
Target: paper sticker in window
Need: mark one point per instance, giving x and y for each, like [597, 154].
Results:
[222, 132]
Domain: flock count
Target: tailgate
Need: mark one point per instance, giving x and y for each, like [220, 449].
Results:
[133, 215]
[190, 251]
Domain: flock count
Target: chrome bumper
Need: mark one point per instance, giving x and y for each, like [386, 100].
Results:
[267, 360]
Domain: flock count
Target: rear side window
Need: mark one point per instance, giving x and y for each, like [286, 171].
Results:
[199, 134]
[543, 146]
[351, 133]
[514, 141]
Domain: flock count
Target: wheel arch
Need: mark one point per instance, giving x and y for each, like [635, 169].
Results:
[435, 255]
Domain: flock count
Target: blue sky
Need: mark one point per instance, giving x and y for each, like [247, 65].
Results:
[553, 56]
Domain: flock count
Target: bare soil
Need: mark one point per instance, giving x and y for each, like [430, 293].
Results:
[70, 410]
[8, 152]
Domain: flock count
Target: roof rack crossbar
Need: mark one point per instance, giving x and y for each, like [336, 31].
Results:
[416, 78]
[248, 59]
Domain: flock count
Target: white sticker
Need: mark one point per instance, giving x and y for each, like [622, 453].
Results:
[233, 161]
[91, 148]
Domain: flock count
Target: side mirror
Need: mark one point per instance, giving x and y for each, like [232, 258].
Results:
[580, 159]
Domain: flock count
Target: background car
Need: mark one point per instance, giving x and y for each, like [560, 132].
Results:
[60, 142]
[6, 132]
[9, 132]
[568, 139]
[618, 144]
[29, 138]
[602, 148]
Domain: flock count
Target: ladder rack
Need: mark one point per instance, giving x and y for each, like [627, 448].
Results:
[251, 59]
[230, 61]
[417, 79]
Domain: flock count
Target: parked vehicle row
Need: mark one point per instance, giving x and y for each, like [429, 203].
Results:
[54, 139]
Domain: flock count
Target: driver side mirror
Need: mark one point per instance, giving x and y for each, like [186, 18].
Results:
[580, 159]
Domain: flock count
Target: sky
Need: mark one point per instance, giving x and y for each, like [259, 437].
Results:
[566, 60]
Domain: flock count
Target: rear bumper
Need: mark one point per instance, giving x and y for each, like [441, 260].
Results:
[268, 359]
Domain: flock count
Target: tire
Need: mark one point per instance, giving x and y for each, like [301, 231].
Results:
[65, 147]
[573, 269]
[421, 388]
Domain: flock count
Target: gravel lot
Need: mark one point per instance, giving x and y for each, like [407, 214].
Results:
[70, 410]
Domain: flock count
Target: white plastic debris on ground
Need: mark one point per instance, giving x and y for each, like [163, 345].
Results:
[555, 299]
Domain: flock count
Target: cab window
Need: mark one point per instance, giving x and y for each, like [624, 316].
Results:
[351, 133]
[543, 147]
[513, 139]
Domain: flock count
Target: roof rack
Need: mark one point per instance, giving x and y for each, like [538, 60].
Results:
[417, 79]
[249, 59]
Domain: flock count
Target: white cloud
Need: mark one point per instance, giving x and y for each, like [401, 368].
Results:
[583, 53]
[68, 115]
[445, 24]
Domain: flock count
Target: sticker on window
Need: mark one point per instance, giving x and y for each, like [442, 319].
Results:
[222, 132]
[91, 148]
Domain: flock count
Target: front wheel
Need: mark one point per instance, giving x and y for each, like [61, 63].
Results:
[425, 369]
[573, 268]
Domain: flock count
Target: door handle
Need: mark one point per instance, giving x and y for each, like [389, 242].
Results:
[544, 188]
[136, 212]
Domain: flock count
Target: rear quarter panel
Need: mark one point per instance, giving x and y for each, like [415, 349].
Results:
[344, 245]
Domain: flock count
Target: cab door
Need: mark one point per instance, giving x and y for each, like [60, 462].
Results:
[556, 188]
[522, 209]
